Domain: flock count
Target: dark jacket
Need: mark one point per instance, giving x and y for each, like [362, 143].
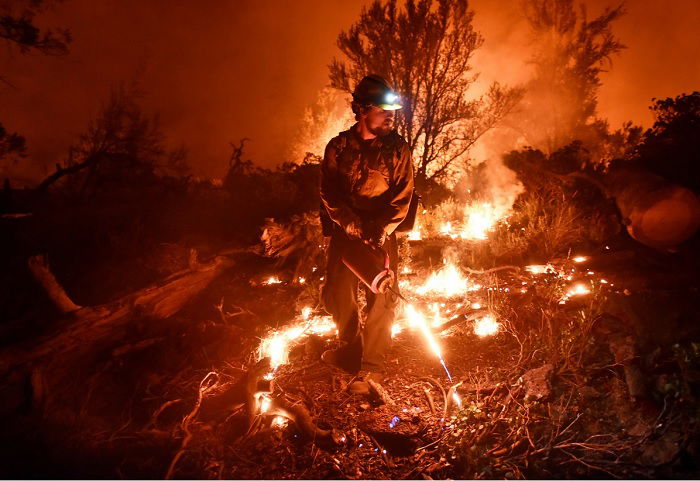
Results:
[367, 181]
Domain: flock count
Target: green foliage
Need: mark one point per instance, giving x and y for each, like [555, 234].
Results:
[424, 48]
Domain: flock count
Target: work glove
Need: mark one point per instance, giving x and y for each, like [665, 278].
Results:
[374, 234]
[353, 229]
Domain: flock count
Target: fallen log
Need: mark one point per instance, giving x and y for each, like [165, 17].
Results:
[92, 329]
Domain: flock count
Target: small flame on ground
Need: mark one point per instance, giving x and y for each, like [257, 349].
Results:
[540, 269]
[415, 235]
[481, 218]
[448, 282]
[579, 290]
[396, 329]
[486, 326]
[276, 346]
[457, 400]
[280, 421]
[272, 280]
[579, 259]
[576, 290]
[264, 403]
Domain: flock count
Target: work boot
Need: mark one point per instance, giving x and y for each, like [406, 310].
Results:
[361, 384]
[344, 359]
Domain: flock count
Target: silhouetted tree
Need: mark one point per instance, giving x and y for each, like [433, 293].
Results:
[670, 147]
[570, 54]
[12, 148]
[122, 144]
[17, 26]
[424, 48]
[11, 143]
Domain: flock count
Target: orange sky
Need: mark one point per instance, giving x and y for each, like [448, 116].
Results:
[219, 70]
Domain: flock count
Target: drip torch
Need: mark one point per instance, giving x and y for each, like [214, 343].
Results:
[370, 263]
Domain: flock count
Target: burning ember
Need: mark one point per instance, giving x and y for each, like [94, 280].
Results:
[280, 421]
[579, 259]
[272, 280]
[576, 290]
[486, 326]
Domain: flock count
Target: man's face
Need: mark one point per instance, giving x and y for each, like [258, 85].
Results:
[379, 121]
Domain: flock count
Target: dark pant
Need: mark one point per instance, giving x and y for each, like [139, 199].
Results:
[365, 344]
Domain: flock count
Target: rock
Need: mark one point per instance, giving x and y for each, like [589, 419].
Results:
[663, 451]
[398, 433]
[624, 350]
[538, 382]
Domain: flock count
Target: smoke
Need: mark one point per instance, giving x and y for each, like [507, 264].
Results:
[322, 121]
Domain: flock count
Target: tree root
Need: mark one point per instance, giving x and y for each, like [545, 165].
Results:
[297, 413]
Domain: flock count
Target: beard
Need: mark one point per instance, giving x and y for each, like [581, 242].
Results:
[382, 130]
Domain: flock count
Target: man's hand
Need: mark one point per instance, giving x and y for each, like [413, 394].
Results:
[354, 230]
[375, 234]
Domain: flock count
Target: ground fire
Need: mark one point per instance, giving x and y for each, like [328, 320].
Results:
[349, 240]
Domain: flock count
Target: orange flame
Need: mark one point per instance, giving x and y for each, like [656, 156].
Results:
[276, 346]
[448, 282]
[486, 326]
[480, 219]
[417, 319]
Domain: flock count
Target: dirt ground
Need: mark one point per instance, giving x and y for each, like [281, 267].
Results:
[552, 394]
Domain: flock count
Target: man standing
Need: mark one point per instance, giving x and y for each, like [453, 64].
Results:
[366, 189]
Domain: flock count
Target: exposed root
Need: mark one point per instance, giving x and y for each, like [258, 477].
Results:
[209, 382]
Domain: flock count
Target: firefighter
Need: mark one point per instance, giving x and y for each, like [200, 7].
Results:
[366, 191]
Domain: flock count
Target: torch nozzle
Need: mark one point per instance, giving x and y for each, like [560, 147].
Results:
[396, 293]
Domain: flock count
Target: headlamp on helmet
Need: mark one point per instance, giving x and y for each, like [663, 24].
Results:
[374, 90]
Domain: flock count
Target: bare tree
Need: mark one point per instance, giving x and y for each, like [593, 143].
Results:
[424, 48]
[570, 54]
[120, 143]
